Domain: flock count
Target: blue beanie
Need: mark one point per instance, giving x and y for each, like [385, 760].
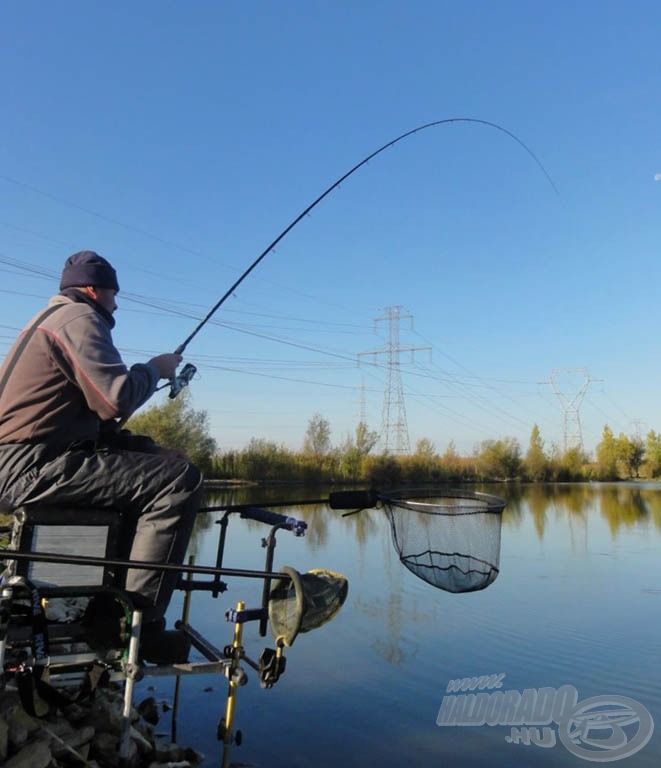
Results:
[88, 268]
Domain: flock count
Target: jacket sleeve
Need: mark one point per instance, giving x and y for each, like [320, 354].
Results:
[83, 348]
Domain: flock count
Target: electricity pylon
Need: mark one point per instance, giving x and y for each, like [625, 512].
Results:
[572, 432]
[394, 426]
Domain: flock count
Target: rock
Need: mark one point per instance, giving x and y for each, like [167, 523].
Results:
[76, 713]
[180, 764]
[9, 700]
[65, 609]
[73, 740]
[143, 745]
[145, 729]
[106, 715]
[36, 754]
[193, 756]
[4, 740]
[148, 709]
[105, 749]
[87, 732]
[21, 726]
[168, 752]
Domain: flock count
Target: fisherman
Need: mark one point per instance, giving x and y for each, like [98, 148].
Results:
[64, 389]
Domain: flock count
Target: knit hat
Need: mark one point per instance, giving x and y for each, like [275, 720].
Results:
[88, 268]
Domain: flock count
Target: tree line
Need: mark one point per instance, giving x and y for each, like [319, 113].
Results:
[356, 461]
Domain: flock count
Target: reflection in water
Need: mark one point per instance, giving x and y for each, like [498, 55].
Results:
[621, 505]
[580, 578]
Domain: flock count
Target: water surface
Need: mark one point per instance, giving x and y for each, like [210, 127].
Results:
[577, 603]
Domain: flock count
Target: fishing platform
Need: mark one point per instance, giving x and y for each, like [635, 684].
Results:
[448, 538]
[67, 625]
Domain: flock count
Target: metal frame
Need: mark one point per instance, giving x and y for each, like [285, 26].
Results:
[122, 664]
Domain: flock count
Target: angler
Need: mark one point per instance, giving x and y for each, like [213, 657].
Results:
[63, 387]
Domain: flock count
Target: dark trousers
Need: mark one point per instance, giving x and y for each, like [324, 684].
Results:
[157, 496]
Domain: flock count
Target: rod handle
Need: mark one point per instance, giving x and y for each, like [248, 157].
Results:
[353, 499]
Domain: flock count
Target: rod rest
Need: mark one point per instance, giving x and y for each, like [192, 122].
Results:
[298, 527]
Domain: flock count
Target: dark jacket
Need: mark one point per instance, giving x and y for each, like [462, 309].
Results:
[69, 379]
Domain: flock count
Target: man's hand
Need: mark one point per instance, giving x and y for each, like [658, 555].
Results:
[166, 364]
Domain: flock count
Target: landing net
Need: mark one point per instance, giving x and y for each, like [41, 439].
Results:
[304, 601]
[451, 541]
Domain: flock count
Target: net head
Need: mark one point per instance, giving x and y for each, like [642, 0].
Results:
[301, 602]
[451, 539]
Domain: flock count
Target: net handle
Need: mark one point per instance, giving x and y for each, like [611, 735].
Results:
[292, 634]
[359, 500]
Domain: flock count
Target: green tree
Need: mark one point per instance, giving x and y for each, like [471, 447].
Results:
[178, 426]
[630, 454]
[423, 465]
[425, 449]
[607, 455]
[573, 464]
[499, 459]
[317, 436]
[653, 454]
[453, 464]
[355, 449]
[366, 438]
[536, 461]
[265, 460]
[383, 471]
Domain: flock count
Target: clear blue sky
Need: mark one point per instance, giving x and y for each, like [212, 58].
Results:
[179, 139]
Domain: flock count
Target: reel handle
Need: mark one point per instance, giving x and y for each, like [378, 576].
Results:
[182, 379]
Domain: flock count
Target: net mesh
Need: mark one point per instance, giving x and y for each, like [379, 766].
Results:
[451, 541]
[304, 601]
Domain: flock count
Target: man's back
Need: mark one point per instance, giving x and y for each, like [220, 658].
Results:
[67, 378]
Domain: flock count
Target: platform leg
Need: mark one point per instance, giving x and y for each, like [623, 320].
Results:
[132, 671]
[6, 596]
[233, 675]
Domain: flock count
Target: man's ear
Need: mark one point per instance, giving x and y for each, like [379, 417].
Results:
[90, 290]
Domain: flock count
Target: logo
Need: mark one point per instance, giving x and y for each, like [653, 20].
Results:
[600, 729]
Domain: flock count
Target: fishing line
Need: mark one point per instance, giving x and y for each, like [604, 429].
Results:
[180, 349]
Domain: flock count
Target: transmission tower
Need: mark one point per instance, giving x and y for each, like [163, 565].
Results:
[572, 433]
[394, 427]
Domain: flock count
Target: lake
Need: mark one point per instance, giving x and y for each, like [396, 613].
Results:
[560, 654]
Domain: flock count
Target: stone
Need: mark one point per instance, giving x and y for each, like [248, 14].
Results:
[168, 752]
[36, 754]
[193, 756]
[106, 716]
[63, 744]
[144, 746]
[105, 749]
[148, 709]
[4, 740]
[21, 726]
[178, 764]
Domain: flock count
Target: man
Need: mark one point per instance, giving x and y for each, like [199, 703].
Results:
[63, 386]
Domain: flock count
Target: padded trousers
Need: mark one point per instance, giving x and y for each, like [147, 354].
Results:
[157, 495]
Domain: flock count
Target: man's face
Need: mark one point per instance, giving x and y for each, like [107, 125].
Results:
[106, 298]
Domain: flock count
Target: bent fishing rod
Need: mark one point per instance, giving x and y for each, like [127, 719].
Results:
[188, 371]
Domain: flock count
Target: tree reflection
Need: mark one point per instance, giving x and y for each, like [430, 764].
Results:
[620, 505]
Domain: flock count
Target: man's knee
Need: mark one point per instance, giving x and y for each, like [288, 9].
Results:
[193, 477]
[183, 474]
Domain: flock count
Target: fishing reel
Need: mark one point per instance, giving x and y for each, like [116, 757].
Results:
[182, 379]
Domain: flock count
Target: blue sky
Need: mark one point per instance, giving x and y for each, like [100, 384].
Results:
[179, 139]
